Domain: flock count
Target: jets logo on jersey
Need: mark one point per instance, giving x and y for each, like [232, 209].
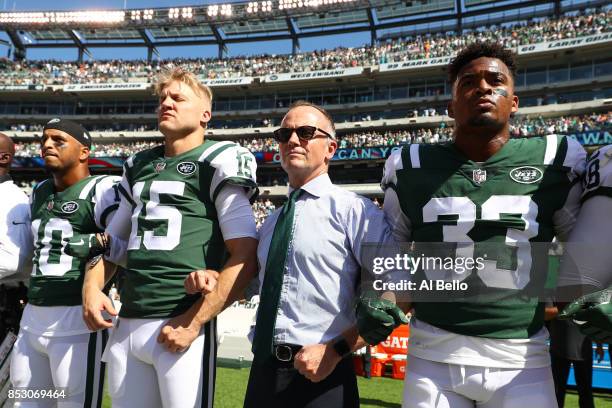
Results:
[186, 168]
[70, 207]
[159, 167]
[526, 175]
[479, 176]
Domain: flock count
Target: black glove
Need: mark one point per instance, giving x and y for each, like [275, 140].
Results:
[84, 246]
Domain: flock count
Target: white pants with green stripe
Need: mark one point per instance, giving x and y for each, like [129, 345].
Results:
[72, 363]
[143, 373]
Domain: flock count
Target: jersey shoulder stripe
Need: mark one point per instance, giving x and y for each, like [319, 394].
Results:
[105, 213]
[549, 150]
[214, 150]
[415, 156]
[130, 161]
[563, 152]
[393, 164]
[126, 195]
[230, 163]
[106, 181]
[575, 155]
[106, 198]
[552, 146]
[88, 191]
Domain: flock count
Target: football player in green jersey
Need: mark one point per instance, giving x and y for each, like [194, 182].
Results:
[587, 263]
[54, 347]
[483, 192]
[185, 207]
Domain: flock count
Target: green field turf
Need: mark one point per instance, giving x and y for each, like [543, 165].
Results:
[376, 392]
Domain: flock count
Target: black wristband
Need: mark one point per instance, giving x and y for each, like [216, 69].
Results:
[99, 248]
[341, 347]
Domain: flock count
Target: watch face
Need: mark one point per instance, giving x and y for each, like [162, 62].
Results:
[342, 347]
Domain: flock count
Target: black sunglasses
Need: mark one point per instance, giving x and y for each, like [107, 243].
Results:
[282, 135]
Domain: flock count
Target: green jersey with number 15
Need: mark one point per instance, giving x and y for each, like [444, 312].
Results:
[174, 224]
[517, 197]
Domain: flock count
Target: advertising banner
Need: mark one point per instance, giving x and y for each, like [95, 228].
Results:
[218, 82]
[566, 43]
[415, 64]
[300, 76]
[123, 86]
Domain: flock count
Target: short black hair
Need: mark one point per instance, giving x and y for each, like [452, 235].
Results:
[481, 49]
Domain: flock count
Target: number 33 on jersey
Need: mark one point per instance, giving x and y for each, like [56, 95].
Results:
[518, 196]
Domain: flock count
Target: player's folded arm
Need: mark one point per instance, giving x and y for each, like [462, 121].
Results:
[118, 223]
[585, 266]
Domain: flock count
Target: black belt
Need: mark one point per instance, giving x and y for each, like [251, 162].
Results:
[285, 352]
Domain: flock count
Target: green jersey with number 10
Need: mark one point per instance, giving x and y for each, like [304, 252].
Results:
[58, 217]
[515, 198]
[174, 224]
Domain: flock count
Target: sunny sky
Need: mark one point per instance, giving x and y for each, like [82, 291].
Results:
[278, 47]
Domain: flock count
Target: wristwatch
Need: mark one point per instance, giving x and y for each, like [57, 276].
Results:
[341, 347]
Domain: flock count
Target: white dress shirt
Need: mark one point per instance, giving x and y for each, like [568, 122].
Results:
[15, 233]
[324, 261]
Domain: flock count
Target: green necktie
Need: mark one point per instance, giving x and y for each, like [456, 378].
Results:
[273, 279]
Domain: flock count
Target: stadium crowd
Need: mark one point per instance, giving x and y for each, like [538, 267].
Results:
[525, 126]
[53, 72]
[521, 127]
[261, 209]
[32, 149]
[216, 123]
[115, 127]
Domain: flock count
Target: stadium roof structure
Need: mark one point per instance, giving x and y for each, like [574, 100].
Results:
[253, 21]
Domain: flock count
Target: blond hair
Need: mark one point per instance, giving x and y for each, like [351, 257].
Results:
[179, 74]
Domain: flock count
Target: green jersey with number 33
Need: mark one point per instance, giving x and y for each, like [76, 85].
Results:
[174, 224]
[58, 217]
[517, 197]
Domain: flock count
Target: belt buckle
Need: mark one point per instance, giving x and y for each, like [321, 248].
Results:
[283, 352]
